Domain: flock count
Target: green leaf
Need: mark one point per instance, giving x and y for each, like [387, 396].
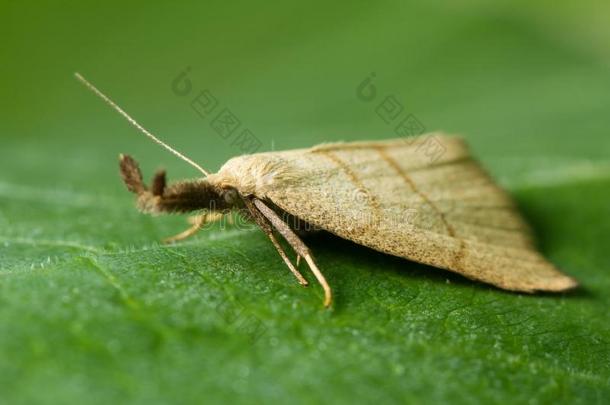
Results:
[94, 310]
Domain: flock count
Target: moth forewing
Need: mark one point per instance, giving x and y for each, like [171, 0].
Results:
[384, 195]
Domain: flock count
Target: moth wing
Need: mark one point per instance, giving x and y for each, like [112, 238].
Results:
[424, 199]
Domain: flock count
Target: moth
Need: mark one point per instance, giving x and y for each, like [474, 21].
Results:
[385, 195]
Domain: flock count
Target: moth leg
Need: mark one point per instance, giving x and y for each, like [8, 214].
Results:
[266, 228]
[297, 244]
[197, 222]
[282, 253]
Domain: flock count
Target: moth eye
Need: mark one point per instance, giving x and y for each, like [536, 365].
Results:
[230, 196]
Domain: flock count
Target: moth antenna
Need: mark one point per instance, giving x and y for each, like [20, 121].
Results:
[135, 123]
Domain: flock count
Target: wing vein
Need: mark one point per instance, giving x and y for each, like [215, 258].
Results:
[459, 256]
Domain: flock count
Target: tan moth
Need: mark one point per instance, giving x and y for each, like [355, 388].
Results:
[366, 192]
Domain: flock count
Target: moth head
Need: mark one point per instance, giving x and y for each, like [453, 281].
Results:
[182, 196]
[179, 197]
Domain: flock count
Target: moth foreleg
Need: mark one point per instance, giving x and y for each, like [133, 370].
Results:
[266, 228]
[197, 222]
[284, 257]
[297, 244]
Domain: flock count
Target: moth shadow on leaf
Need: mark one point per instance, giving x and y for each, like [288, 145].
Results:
[336, 254]
[333, 249]
[549, 230]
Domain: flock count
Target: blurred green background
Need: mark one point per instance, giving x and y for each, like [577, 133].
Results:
[93, 310]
